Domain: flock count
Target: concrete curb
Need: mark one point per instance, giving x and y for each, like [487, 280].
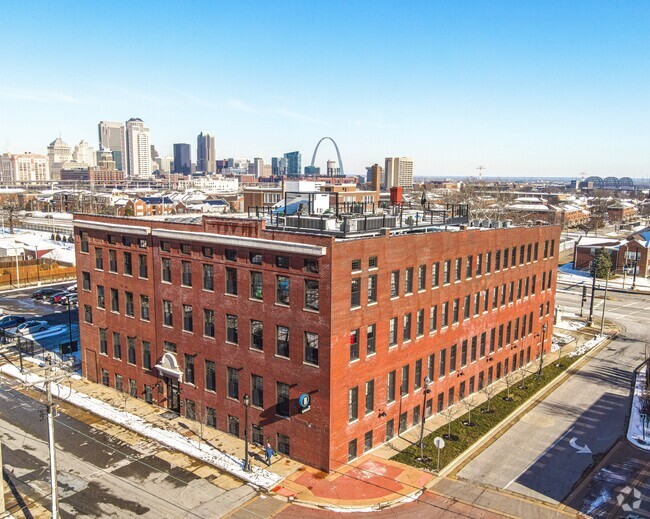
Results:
[376, 507]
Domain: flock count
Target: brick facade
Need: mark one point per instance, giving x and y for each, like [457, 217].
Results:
[321, 436]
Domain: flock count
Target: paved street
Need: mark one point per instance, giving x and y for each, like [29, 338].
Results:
[20, 303]
[104, 470]
[548, 452]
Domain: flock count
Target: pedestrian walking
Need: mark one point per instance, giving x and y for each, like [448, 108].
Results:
[269, 452]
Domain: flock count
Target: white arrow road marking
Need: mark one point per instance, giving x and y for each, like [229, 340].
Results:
[578, 448]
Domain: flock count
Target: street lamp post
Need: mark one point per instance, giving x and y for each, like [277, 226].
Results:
[38, 272]
[590, 320]
[636, 259]
[541, 358]
[425, 392]
[247, 466]
[602, 319]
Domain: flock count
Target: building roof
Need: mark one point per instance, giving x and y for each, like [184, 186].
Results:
[58, 142]
[156, 200]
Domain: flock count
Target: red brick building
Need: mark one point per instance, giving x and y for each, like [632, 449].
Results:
[195, 314]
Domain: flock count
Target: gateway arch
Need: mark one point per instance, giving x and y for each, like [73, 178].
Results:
[338, 153]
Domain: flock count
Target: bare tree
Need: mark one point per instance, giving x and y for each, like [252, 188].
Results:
[523, 373]
[469, 403]
[489, 391]
[509, 379]
[449, 416]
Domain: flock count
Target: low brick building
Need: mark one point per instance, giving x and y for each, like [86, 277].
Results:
[351, 316]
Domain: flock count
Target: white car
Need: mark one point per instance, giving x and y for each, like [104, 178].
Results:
[31, 327]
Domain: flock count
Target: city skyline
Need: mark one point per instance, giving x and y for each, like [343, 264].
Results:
[523, 89]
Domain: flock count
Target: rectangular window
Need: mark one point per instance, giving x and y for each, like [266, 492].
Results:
[257, 335]
[85, 280]
[99, 259]
[422, 277]
[446, 274]
[417, 375]
[450, 396]
[454, 319]
[257, 435]
[188, 318]
[148, 394]
[117, 346]
[190, 409]
[522, 253]
[370, 396]
[532, 285]
[231, 281]
[474, 347]
[392, 332]
[352, 449]
[463, 353]
[83, 241]
[189, 369]
[311, 266]
[435, 275]
[390, 387]
[529, 252]
[458, 271]
[503, 294]
[492, 340]
[208, 277]
[166, 269]
[128, 264]
[372, 262]
[130, 350]
[282, 290]
[506, 252]
[282, 399]
[168, 316]
[186, 248]
[488, 262]
[146, 355]
[466, 307]
[257, 390]
[408, 289]
[394, 283]
[311, 348]
[442, 363]
[210, 376]
[370, 339]
[207, 252]
[419, 326]
[112, 261]
[105, 377]
[416, 415]
[232, 329]
[445, 314]
[469, 267]
[407, 327]
[354, 345]
[128, 304]
[390, 429]
[355, 293]
[483, 341]
[353, 404]
[452, 358]
[311, 294]
[208, 322]
[404, 387]
[143, 270]
[477, 303]
[115, 300]
[552, 248]
[282, 262]
[431, 364]
[372, 289]
[283, 444]
[101, 300]
[255, 258]
[119, 383]
[535, 251]
[500, 343]
[186, 273]
[282, 341]
[211, 417]
[103, 343]
[144, 307]
[433, 319]
[230, 254]
[233, 383]
[170, 346]
[479, 264]
[367, 441]
[356, 265]
[497, 260]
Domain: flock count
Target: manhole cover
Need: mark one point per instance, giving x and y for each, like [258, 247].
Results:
[169, 415]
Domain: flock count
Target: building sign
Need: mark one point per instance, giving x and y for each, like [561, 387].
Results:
[304, 402]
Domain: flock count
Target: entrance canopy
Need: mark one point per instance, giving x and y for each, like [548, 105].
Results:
[168, 366]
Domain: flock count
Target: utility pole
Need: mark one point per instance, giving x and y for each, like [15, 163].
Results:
[590, 320]
[51, 414]
[602, 319]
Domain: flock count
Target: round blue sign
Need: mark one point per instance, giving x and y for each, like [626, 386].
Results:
[304, 400]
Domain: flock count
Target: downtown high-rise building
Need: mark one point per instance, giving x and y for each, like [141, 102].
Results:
[398, 172]
[205, 157]
[182, 158]
[24, 168]
[84, 153]
[112, 137]
[279, 166]
[138, 149]
[294, 164]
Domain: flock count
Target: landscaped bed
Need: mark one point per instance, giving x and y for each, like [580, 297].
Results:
[459, 436]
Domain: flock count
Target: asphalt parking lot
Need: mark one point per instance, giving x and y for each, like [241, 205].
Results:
[20, 303]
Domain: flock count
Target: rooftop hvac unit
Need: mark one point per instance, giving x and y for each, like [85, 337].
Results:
[486, 223]
[507, 223]
[496, 224]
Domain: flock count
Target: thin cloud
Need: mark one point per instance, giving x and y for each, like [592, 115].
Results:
[44, 96]
[289, 114]
[236, 104]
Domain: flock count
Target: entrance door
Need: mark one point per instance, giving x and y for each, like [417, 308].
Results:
[173, 395]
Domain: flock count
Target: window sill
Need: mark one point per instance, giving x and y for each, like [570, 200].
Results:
[209, 290]
[208, 336]
[310, 364]
[372, 303]
[355, 307]
[393, 298]
[310, 310]
[212, 391]
[256, 300]
[281, 357]
[282, 305]
[258, 350]
[232, 343]
[228, 294]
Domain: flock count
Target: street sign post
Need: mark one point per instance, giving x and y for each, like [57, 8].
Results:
[440, 444]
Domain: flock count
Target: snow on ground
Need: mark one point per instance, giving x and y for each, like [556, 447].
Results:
[590, 344]
[560, 339]
[567, 274]
[571, 325]
[258, 476]
[635, 433]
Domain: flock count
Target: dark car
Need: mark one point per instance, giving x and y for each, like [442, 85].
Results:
[68, 298]
[11, 321]
[45, 293]
[55, 298]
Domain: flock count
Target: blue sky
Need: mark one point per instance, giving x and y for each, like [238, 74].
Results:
[523, 88]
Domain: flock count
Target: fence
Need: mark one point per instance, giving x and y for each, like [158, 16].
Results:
[29, 274]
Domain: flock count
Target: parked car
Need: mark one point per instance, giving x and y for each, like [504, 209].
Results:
[11, 321]
[32, 326]
[72, 288]
[44, 293]
[71, 297]
[55, 298]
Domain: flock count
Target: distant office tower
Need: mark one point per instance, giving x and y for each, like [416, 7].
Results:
[332, 170]
[182, 158]
[279, 166]
[84, 153]
[312, 171]
[26, 167]
[294, 164]
[165, 164]
[138, 149]
[58, 152]
[258, 167]
[205, 158]
[112, 137]
[399, 172]
[373, 170]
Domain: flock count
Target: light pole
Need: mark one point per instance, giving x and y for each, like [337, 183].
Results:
[541, 358]
[38, 273]
[425, 392]
[602, 319]
[636, 259]
[247, 466]
[590, 320]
